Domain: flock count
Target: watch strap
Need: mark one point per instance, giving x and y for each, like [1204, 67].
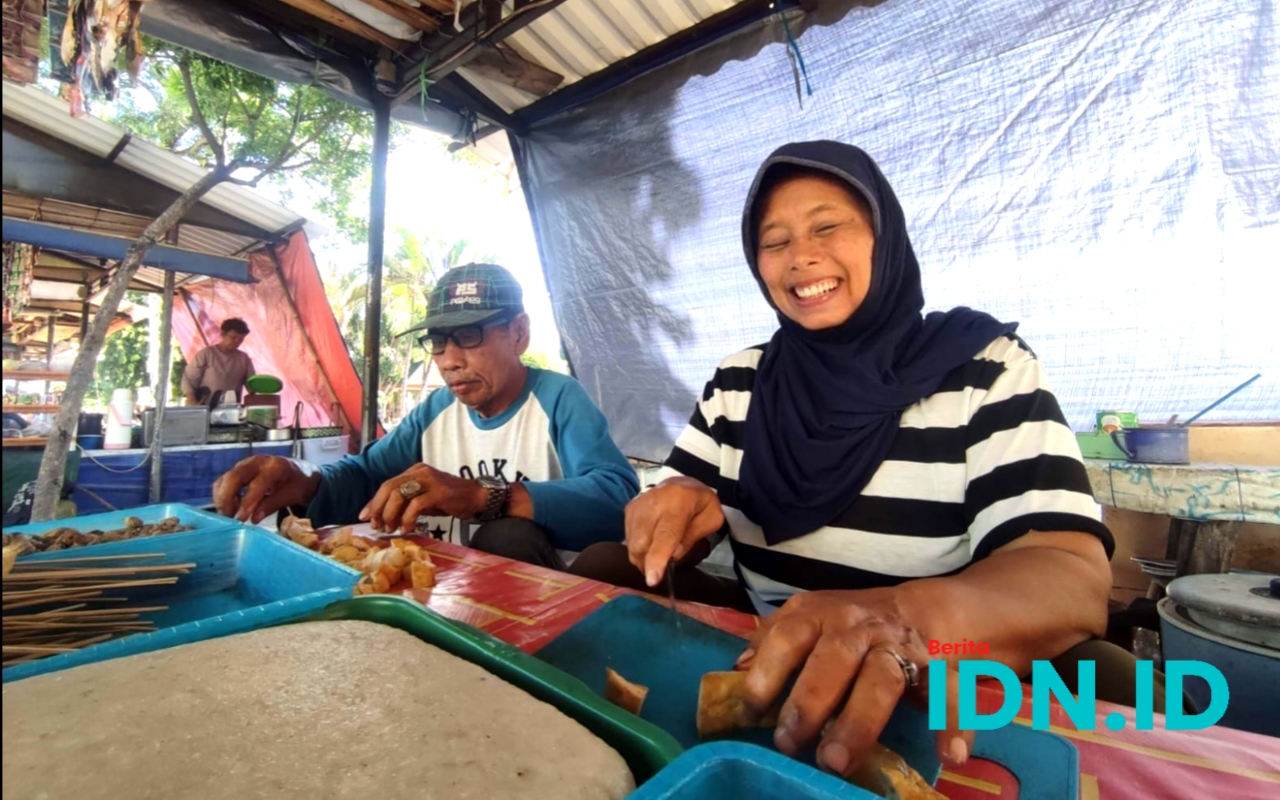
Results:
[496, 506]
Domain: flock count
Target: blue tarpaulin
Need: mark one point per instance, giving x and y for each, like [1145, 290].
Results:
[1105, 173]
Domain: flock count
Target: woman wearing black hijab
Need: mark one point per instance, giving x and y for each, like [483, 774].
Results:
[888, 479]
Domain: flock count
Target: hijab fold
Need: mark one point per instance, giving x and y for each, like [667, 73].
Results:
[826, 404]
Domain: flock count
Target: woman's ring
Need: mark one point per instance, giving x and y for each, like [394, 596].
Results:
[410, 489]
[909, 670]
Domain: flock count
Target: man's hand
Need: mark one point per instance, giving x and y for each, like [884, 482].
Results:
[269, 483]
[833, 642]
[441, 494]
[666, 521]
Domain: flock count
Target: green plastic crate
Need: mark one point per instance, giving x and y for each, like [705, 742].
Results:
[1099, 445]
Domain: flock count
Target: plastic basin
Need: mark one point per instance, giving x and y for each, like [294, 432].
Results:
[246, 578]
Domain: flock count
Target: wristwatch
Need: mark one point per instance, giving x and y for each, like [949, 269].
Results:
[499, 497]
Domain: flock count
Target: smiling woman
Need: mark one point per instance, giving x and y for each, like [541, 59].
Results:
[816, 241]
[887, 479]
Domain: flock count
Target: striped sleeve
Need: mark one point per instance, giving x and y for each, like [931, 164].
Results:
[695, 454]
[717, 425]
[1023, 466]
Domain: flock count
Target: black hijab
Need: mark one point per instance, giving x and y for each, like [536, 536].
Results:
[826, 404]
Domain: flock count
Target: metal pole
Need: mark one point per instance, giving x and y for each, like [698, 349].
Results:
[162, 385]
[373, 304]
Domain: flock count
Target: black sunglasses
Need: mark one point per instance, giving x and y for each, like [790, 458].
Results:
[466, 337]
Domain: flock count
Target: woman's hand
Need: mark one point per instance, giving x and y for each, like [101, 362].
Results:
[666, 521]
[836, 641]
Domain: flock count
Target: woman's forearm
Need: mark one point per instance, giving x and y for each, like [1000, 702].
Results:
[1031, 600]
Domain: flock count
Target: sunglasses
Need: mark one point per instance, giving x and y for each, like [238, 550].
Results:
[466, 337]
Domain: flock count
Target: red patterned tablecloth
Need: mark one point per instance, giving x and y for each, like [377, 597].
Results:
[528, 606]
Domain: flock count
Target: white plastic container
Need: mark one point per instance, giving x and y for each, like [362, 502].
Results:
[326, 450]
[118, 430]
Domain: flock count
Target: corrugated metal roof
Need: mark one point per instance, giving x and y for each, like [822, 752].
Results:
[126, 226]
[582, 37]
[48, 114]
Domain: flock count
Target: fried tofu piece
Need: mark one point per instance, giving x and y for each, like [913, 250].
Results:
[10, 556]
[347, 554]
[722, 706]
[380, 583]
[623, 693]
[292, 524]
[422, 574]
[887, 774]
[340, 538]
[305, 538]
[390, 572]
[395, 557]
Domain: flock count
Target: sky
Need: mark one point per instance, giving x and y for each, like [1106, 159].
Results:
[429, 191]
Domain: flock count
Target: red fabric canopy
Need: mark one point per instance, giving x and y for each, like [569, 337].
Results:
[293, 334]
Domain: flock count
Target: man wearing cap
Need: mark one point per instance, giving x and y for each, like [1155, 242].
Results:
[520, 452]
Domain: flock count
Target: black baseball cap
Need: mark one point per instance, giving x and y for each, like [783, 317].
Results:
[471, 295]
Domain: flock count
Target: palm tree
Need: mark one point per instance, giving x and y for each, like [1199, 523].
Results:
[409, 274]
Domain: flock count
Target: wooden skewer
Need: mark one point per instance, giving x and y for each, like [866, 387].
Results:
[45, 600]
[19, 626]
[116, 585]
[97, 612]
[31, 650]
[61, 574]
[43, 561]
[69, 610]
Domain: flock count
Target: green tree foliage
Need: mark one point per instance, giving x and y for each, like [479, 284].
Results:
[409, 273]
[544, 361]
[212, 113]
[123, 363]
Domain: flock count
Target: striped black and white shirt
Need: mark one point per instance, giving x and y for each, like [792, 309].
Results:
[985, 459]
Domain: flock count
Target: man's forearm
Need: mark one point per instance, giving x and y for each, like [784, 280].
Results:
[1026, 604]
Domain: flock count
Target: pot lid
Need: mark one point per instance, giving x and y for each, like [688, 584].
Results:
[264, 384]
[1252, 598]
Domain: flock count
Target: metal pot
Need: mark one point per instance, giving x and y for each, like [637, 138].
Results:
[279, 435]
[1154, 445]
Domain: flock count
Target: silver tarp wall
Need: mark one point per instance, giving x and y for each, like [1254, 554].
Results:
[1107, 173]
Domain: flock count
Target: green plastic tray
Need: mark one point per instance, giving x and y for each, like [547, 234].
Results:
[645, 747]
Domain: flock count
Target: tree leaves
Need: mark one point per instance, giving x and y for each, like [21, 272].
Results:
[276, 132]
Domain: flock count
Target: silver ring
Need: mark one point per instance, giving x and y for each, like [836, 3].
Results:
[909, 670]
[410, 489]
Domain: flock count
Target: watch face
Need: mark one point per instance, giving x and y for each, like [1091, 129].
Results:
[490, 482]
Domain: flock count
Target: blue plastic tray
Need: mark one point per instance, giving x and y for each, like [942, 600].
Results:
[246, 578]
[113, 520]
[640, 639]
[737, 771]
